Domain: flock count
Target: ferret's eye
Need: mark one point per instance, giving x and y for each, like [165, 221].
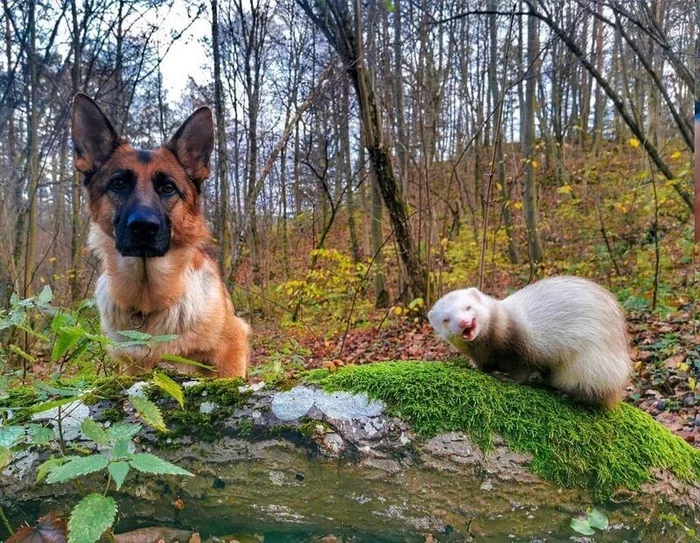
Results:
[446, 320]
[469, 307]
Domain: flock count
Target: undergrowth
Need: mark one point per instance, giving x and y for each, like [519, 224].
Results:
[572, 445]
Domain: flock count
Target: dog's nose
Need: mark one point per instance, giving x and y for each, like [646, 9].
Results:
[143, 223]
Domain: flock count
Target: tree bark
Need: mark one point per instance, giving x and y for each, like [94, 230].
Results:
[33, 143]
[530, 196]
[221, 148]
[497, 135]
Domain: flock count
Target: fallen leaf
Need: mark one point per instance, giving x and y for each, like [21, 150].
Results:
[49, 529]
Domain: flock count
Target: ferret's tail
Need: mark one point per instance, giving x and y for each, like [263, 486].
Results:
[599, 380]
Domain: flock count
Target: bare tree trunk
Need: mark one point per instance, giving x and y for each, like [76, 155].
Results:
[381, 293]
[222, 151]
[599, 102]
[335, 22]
[401, 140]
[76, 222]
[347, 171]
[33, 137]
[530, 197]
[497, 135]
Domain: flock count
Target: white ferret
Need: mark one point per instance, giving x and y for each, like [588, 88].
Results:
[570, 330]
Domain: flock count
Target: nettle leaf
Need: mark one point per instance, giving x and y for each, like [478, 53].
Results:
[150, 413]
[598, 519]
[61, 319]
[121, 449]
[53, 403]
[182, 360]
[55, 391]
[164, 338]
[581, 526]
[22, 354]
[149, 463]
[39, 435]
[166, 384]
[66, 338]
[48, 465]
[93, 431]
[5, 457]
[77, 466]
[123, 431]
[10, 435]
[135, 335]
[45, 296]
[91, 517]
[118, 470]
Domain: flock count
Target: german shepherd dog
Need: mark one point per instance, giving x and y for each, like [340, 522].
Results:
[148, 230]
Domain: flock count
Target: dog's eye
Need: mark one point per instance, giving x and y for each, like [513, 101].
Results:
[469, 308]
[118, 184]
[447, 320]
[167, 188]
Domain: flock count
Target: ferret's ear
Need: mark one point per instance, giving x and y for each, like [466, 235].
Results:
[94, 137]
[475, 292]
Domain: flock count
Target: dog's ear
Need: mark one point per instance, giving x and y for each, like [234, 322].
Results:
[94, 137]
[193, 143]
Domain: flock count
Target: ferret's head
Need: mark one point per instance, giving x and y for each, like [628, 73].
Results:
[461, 316]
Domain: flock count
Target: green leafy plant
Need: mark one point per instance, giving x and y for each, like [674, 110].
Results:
[67, 339]
[327, 291]
[595, 520]
[95, 513]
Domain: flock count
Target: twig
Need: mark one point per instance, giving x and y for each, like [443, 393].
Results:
[6, 522]
[605, 237]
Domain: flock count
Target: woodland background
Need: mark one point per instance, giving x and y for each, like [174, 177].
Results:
[372, 155]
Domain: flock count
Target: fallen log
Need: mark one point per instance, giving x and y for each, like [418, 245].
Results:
[391, 450]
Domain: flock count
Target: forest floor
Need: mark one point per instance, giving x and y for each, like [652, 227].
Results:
[665, 354]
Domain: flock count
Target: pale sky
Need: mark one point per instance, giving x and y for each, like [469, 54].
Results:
[187, 57]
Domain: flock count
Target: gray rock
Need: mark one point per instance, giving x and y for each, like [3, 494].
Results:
[293, 404]
[72, 416]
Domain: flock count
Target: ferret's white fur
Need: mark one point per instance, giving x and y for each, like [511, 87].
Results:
[569, 329]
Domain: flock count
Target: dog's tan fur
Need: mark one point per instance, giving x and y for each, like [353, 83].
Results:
[180, 293]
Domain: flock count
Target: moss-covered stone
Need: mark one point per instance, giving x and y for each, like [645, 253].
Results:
[223, 393]
[572, 445]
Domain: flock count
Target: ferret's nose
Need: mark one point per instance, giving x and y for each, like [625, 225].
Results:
[466, 323]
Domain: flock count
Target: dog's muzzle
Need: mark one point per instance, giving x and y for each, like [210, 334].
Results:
[143, 233]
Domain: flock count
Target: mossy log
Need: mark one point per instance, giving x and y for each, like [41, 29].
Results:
[391, 450]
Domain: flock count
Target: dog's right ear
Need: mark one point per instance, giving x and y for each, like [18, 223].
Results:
[94, 137]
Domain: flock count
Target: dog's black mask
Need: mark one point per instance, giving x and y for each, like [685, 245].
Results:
[142, 231]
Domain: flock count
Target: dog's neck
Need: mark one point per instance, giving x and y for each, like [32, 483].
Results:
[144, 285]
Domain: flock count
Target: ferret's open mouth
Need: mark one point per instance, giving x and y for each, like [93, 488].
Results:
[468, 332]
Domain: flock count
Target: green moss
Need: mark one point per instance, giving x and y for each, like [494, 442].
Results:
[111, 388]
[222, 392]
[572, 445]
[24, 396]
[111, 414]
[15, 400]
[189, 420]
[245, 428]
[310, 428]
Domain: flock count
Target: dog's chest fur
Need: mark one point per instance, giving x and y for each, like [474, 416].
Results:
[174, 294]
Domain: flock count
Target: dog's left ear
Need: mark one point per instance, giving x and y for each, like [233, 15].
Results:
[193, 143]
